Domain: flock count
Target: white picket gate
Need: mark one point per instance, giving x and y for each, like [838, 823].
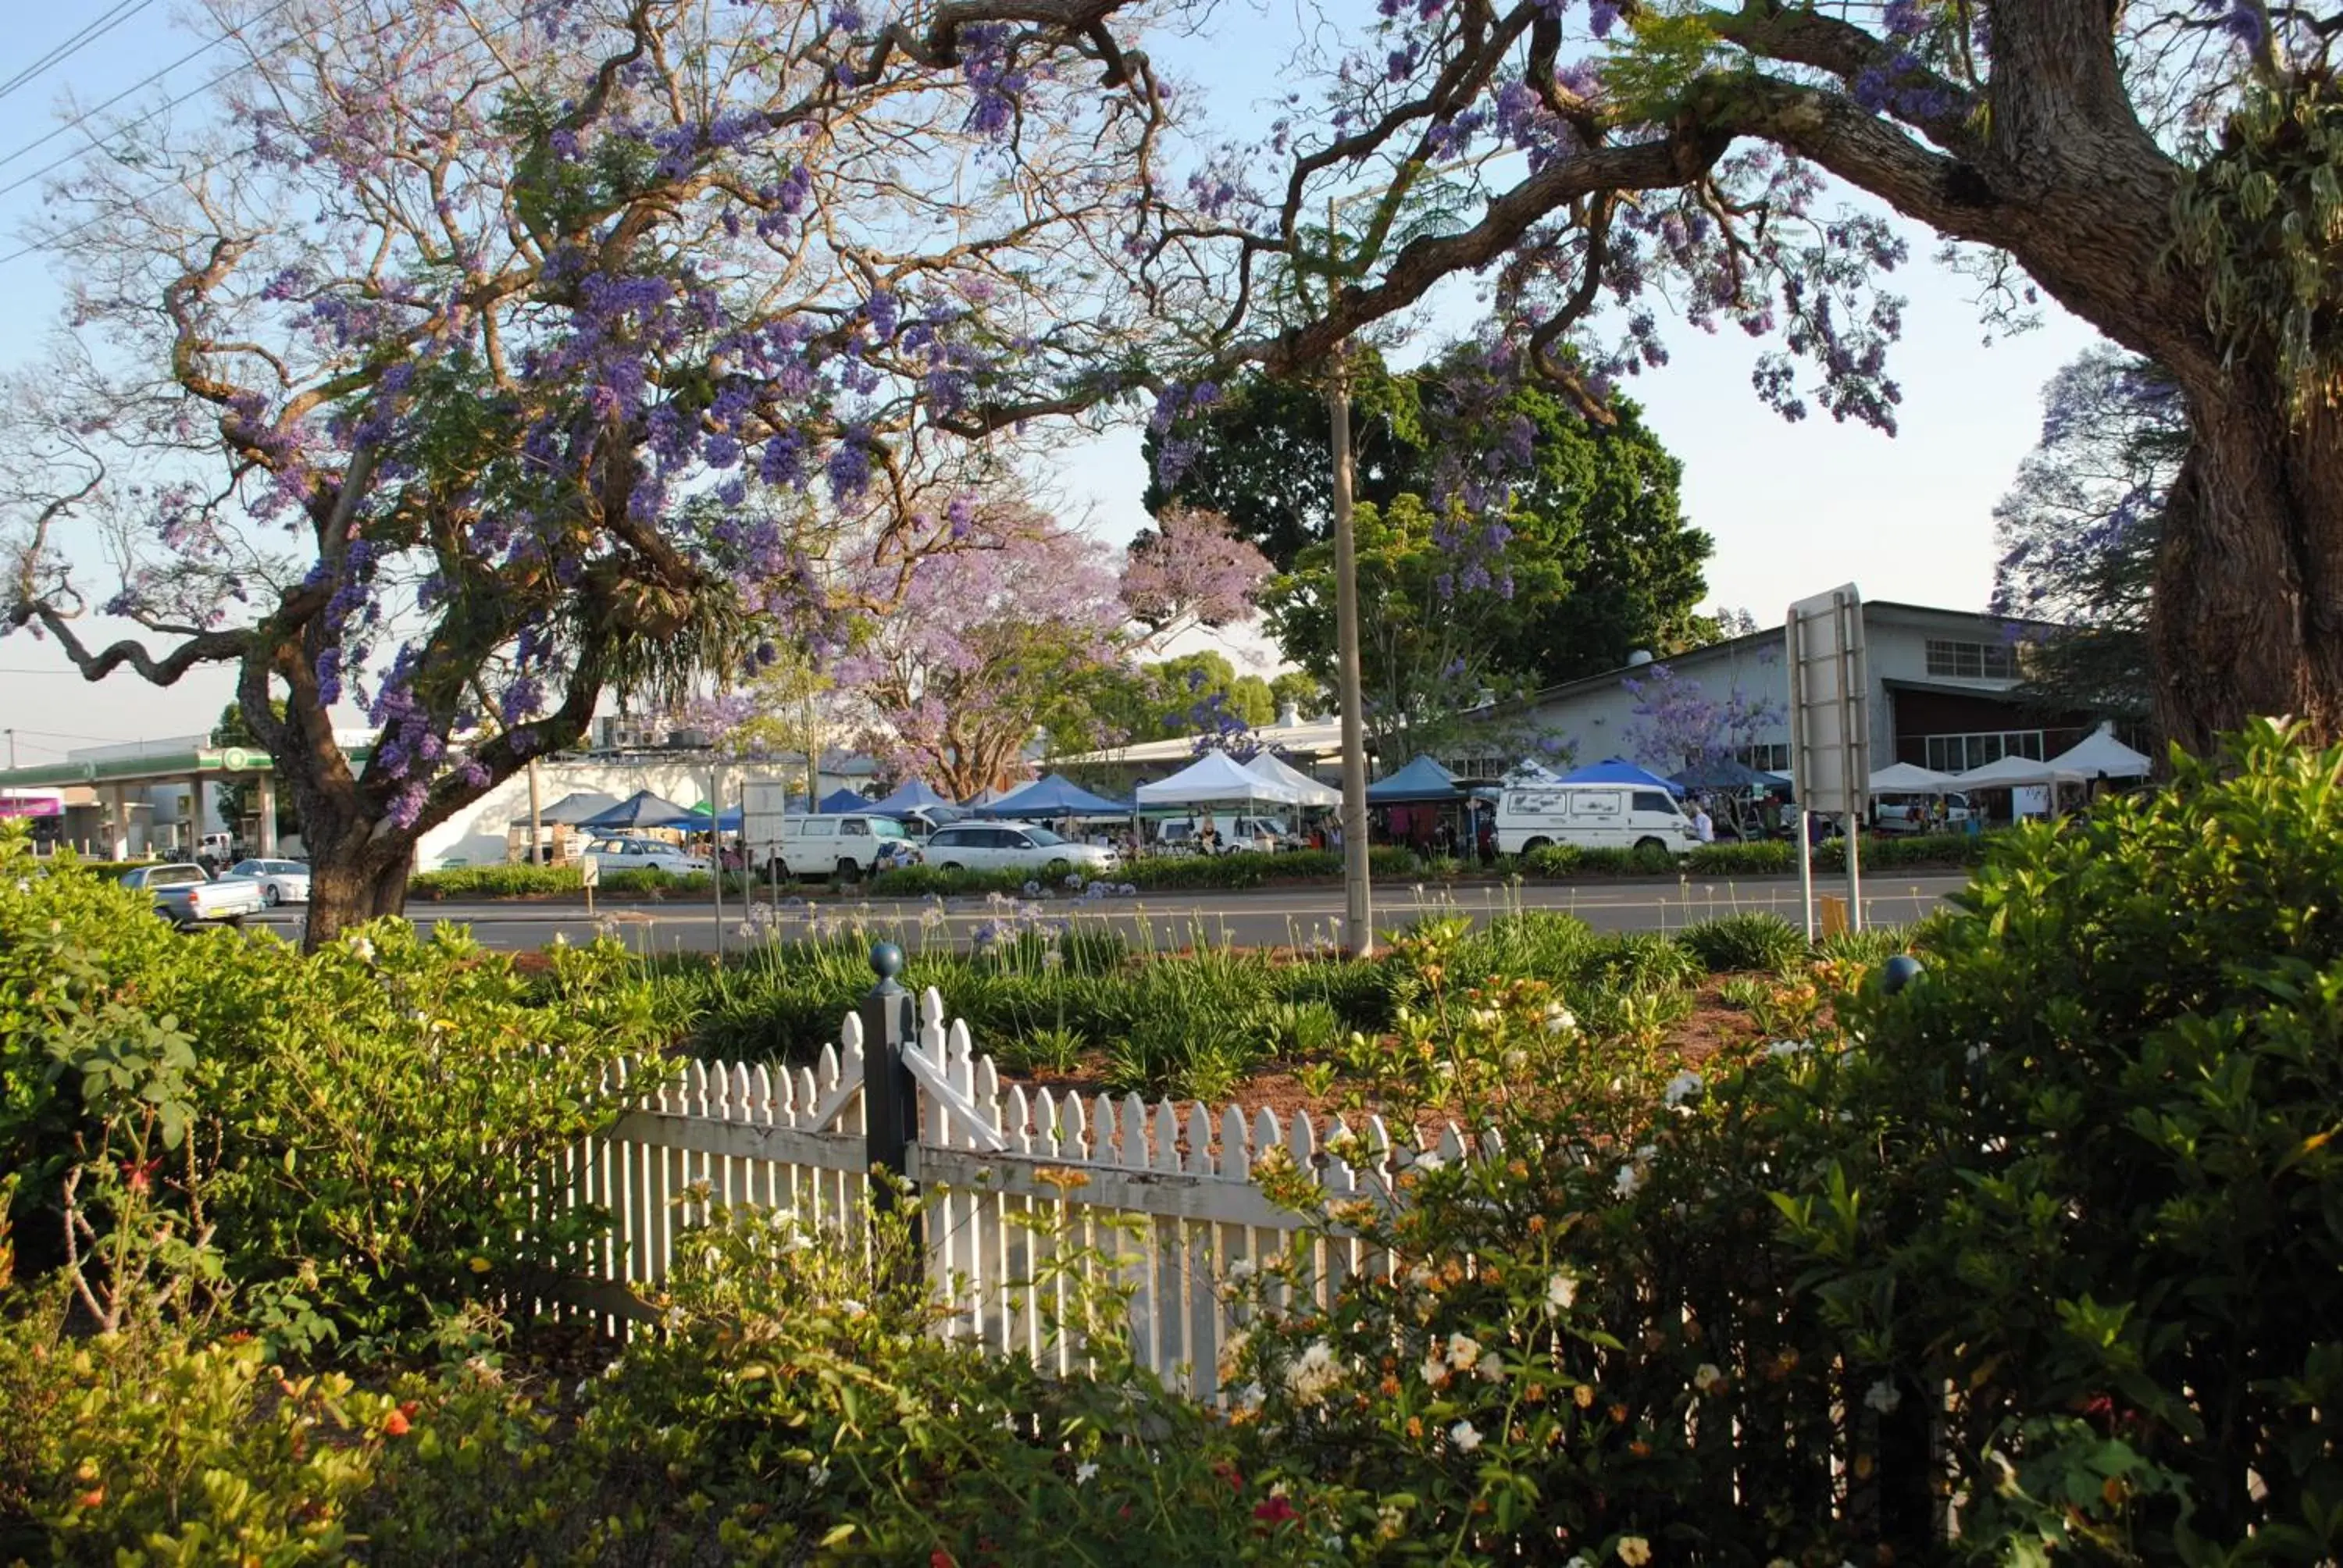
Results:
[1023, 1189]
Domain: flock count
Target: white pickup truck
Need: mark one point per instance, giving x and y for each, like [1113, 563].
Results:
[186, 895]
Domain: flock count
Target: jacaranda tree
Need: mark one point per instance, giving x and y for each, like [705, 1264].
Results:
[2168, 173]
[433, 370]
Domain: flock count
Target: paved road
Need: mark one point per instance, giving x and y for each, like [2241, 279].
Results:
[1276, 918]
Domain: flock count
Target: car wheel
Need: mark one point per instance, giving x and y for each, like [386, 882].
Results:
[234, 922]
[848, 871]
[1643, 844]
[270, 895]
[954, 866]
[1062, 868]
[1534, 845]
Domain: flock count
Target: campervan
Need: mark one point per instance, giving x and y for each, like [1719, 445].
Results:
[1591, 816]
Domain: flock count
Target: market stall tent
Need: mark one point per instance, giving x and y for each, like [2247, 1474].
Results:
[642, 809]
[916, 796]
[1623, 773]
[1723, 773]
[1910, 778]
[1421, 782]
[2015, 772]
[574, 809]
[1278, 770]
[2100, 753]
[838, 800]
[1216, 778]
[1056, 795]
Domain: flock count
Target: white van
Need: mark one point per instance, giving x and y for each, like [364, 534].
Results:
[845, 847]
[1592, 817]
[1231, 833]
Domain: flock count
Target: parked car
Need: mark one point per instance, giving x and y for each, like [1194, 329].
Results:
[848, 847]
[1014, 847]
[281, 882]
[610, 855]
[1592, 817]
[186, 895]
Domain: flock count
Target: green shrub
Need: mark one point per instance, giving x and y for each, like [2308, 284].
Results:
[1636, 961]
[1750, 942]
[1753, 858]
[504, 881]
[926, 881]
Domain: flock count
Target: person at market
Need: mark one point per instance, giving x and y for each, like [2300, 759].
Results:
[1702, 826]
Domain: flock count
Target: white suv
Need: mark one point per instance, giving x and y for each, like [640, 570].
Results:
[610, 855]
[1006, 847]
[845, 847]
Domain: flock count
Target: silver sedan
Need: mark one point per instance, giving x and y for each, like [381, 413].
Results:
[281, 882]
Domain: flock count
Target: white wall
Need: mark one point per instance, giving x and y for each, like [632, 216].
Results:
[476, 835]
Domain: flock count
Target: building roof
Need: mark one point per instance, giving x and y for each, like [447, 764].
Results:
[1308, 738]
[1895, 609]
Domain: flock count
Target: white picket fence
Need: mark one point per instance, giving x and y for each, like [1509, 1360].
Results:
[1024, 1189]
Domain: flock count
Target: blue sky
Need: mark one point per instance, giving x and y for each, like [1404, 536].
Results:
[1793, 509]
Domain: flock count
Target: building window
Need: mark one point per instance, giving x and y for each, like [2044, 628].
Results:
[1960, 753]
[1973, 660]
[1481, 770]
[1765, 758]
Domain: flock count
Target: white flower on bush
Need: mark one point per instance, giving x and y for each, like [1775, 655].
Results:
[1708, 1378]
[1491, 1370]
[1084, 1473]
[818, 1477]
[1635, 1550]
[1315, 1373]
[1232, 1351]
[1579, 1560]
[1629, 1182]
[1782, 1048]
[1558, 1020]
[362, 948]
[1435, 1369]
[1561, 1295]
[1465, 1436]
[1391, 1520]
[1681, 1088]
[1883, 1397]
[1428, 1160]
[1463, 1350]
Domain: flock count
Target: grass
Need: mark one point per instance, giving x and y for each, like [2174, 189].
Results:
[1075, 999]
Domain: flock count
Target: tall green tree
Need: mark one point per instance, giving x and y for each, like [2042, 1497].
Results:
[1601, 561]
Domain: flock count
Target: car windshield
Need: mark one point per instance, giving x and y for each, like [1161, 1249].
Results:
[1043, 836]
[888, 827]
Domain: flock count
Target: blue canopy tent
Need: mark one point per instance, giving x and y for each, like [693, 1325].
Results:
[1056, 795]
[726, 822]
[642, 809]
[1724, 773]
[838, 800]
[916, 797]
[574, 809]
[1421, 782]
[1625, 774]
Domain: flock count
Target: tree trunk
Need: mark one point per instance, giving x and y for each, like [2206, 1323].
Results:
[2247, 620]
[354, 878]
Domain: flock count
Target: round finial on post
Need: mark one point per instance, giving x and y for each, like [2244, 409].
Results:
[1902, 971]
[886, 962]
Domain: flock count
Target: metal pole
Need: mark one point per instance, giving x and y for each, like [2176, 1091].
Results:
[536, 817]
[12, 751]
[1358, 912]
[716, 849]
[813, 758]
[891, 1101]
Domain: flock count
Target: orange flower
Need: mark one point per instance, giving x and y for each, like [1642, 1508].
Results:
[395, 1424]
[92, 1498]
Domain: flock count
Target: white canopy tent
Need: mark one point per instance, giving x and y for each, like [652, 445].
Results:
[1216, 778]
[2015, 772]
[1308, 791]
[2100, 753]
[1910, 778]
[1529, 773]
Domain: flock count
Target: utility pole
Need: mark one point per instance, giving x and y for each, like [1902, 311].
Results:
[12, 751]
[1358, 912]
[536, 817]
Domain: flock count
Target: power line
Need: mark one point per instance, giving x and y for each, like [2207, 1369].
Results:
[122, 13]
[204, 168]
[87, 115]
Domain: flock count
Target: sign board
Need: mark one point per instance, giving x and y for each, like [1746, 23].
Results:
[1830, 703]
[589, 872]
[764, 802]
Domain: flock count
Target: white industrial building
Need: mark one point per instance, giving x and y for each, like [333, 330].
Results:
[1943, 695]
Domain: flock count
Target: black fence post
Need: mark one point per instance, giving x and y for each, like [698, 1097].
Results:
[891, 1101]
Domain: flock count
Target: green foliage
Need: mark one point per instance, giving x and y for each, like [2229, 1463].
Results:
[500, 881]
[2260, 217]
[348, 1121]
[1751, 941]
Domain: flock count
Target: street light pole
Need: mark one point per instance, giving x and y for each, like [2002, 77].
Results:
[1358, 913]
